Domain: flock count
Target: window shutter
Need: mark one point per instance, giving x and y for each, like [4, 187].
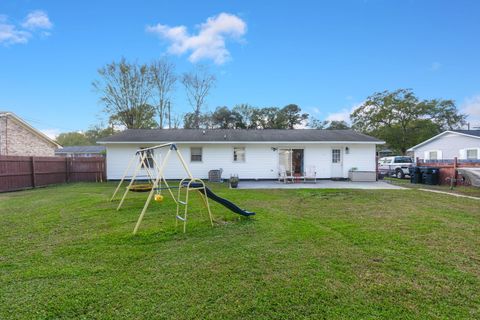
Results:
[439, 155]
[463, 154]
[426, 155]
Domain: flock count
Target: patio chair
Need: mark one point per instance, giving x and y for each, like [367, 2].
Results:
[310, 174]
[284, 175]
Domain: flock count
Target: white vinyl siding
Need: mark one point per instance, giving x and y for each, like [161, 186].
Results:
[261, 162]
[450, 144]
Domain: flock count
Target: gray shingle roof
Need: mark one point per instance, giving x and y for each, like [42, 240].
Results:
[81, 149]
[470, 132]
[216, 135]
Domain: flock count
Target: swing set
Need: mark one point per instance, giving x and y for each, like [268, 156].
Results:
[145, 159]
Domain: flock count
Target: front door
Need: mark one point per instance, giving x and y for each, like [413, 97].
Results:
[337, 163]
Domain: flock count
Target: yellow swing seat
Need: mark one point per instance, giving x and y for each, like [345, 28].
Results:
[144, 187]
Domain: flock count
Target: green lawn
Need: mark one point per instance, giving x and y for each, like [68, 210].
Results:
[468, 191]
[346, 254]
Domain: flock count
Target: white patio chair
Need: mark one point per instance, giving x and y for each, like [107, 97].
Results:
[310, 174]
[284, 175]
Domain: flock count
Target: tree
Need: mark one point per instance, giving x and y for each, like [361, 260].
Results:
[328, 125]
[265, 118]
[97, 132]
[402, 120]
[125, 89]
[224, 118]
[73, 139]
[290, 116]
[192, 121]
[198, 84]
[244, 113]
[163, 77]
[338, 125]
[142, 117]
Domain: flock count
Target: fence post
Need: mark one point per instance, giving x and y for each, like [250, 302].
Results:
[417, 160]
[34, 178]
[455, 175]
[67, 170]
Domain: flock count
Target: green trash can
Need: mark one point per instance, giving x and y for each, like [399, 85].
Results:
[415, 174]
[431, 175]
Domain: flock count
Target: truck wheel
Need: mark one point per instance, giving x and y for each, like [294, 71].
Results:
[399, 174]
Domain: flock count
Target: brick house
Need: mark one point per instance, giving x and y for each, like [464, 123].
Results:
[18, 138]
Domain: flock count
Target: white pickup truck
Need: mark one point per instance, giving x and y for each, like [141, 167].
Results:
[395, 166]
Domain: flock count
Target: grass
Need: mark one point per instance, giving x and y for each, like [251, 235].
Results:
[468, 191]
[334, 254]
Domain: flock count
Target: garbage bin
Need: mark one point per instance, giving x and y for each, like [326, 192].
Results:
[431, 175]
[415, 174]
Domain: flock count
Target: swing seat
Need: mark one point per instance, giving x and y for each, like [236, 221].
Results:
[145, 187]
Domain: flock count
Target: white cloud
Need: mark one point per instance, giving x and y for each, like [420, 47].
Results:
[471, 107]
[51, 133]
[10, 34]
[20, 34]
[344, 114]
[37, 19]
[209, 43]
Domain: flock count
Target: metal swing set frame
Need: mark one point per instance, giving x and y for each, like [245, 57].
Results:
[188, 184]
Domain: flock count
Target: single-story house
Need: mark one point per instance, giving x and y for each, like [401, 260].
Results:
[81, 151]
[460, 144]
[18, 138]
[250, 154]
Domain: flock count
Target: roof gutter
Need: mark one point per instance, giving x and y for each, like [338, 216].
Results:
[246, 142]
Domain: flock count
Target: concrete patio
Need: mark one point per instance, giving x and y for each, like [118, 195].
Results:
[321, 184]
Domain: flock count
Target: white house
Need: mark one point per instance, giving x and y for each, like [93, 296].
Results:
[250, 154]
[460, 144]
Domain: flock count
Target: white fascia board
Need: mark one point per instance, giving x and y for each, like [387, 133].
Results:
[245, 142]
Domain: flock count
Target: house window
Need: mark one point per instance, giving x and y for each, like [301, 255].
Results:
[196, 154]
[433, 155]
[336, 156]
[239, 154]
[148, 161]
[472, 154]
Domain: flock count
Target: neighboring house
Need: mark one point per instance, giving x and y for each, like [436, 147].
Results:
[460, 144]
[18, 138]
[81, 151]
[250, 154]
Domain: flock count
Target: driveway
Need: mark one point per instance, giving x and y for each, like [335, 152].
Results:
[321, 184]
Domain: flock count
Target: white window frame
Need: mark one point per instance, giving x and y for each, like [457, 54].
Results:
[439, 155]
[244, 155]
[191, 154]
[472, 149]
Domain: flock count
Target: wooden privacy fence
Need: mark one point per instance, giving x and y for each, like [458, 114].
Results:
[18, 173]
[448, 169]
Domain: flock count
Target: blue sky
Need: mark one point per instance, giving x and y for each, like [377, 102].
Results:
[324, 56]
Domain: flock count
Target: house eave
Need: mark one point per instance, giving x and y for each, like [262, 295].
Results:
[244, 142]
[438, 136]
